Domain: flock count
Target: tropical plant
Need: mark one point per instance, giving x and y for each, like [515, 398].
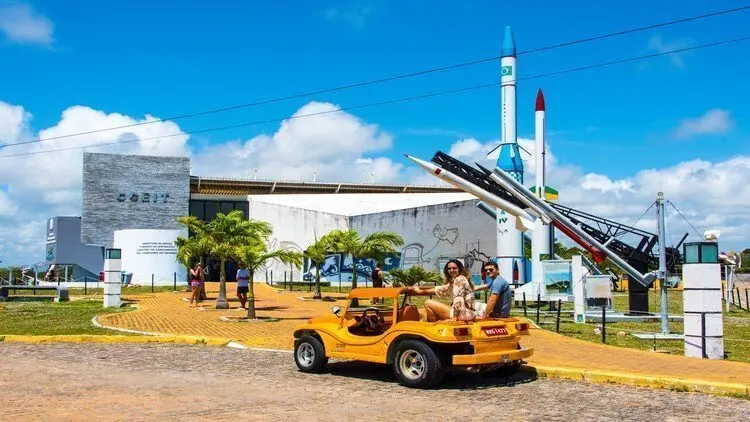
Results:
[222, 236]
[255, 255]
[317, 254]
[414, 275]
[375, 246]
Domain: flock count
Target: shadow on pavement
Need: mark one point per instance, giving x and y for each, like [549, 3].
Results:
[453, 380]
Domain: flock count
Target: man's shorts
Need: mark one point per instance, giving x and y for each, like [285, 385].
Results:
[242, 289]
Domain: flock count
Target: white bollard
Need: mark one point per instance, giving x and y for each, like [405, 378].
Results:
[577, 278]
[112, 284]
[703, 318]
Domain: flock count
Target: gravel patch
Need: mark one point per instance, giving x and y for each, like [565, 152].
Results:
[157, 381]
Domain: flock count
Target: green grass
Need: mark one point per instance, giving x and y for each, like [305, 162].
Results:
[736, 327]
[91, 291]
[51, 318]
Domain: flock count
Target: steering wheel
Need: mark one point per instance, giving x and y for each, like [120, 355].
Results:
[374, 322]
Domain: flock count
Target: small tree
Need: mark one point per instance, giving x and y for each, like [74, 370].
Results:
[317, 254]
[255, 255]
[376, 245]
[413, 275]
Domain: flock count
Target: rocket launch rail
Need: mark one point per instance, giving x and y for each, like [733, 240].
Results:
[474, 176]
[591, 239]
[607, 231]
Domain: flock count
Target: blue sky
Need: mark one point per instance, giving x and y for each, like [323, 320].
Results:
[152, 57]
[139, 57]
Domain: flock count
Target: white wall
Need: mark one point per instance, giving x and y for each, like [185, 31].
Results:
[456, 229]
[293, 228]
[146, 252]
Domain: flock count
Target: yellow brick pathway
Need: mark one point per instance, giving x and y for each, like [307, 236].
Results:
[169, 313]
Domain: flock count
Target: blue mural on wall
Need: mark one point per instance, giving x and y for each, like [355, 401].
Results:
[339, 265]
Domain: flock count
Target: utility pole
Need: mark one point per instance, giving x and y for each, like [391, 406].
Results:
[662, 274]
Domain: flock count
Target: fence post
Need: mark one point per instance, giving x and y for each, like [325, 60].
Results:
[559, 305]
[272, 277]
[152, 282]
[524, 304]
[747, 299]
[538, 306]
[739, 298]
[85, 286]
[604, 324]
[284, 279]
[703, 335]
[175, 280]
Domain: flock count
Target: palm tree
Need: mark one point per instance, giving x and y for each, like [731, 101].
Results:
[317, 254]
[413, 275]
[255, 255]
[222, 236]
[375, 245]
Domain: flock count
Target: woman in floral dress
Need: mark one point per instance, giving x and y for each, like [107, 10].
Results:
[457, 286]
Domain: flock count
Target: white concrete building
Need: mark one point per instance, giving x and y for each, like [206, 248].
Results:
[435, 227]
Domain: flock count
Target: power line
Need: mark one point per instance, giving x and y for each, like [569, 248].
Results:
[683, 217]
[398, 100]
[395, 77]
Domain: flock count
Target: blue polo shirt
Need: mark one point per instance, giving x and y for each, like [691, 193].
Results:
[243, 276]
[500, 287]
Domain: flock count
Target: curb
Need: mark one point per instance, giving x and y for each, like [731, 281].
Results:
[676, 384]
[91, 338]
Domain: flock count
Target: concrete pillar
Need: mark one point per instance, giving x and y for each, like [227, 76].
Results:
[577, 273]
[112, 283]
[704, 330]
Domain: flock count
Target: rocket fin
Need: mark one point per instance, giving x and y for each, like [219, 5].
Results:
[524, 224]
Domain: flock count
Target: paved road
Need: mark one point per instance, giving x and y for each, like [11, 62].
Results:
[158, 382]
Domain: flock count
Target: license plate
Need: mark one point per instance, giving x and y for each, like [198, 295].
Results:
[496, 331]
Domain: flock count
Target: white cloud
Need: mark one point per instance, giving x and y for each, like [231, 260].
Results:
[12, 122]
[712, 122]
[353, 13]
[21, 24]
[8, 208]
[657, 44]
[332, 146]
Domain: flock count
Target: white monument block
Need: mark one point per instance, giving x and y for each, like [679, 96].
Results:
[703, 319]
[112, 285]
[150, 252]
[577, 273]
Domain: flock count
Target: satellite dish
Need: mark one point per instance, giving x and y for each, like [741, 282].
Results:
[712, 235]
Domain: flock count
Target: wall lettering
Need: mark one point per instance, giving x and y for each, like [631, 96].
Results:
[143, 197]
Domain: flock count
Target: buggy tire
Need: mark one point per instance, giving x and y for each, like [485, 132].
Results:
[309, 355]
[417, 365]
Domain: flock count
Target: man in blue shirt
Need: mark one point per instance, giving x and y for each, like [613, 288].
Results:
[500, 297]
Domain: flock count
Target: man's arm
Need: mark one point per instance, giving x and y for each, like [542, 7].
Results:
[491, 304]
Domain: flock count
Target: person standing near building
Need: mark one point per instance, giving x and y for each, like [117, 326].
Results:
[243, 284]
[196, 283]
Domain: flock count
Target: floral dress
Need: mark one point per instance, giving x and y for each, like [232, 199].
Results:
[463, 298]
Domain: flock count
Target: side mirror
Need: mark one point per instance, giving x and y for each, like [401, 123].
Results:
[336, 309]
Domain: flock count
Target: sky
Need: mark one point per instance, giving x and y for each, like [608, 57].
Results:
[616, 135]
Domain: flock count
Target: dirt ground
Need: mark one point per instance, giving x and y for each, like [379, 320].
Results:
[171, 382]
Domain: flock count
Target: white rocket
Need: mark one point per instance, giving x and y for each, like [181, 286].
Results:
[509, 240]
[521, 219]
[542, 241]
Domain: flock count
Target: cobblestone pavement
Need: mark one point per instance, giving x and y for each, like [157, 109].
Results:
[170, 382]
[170, 313]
